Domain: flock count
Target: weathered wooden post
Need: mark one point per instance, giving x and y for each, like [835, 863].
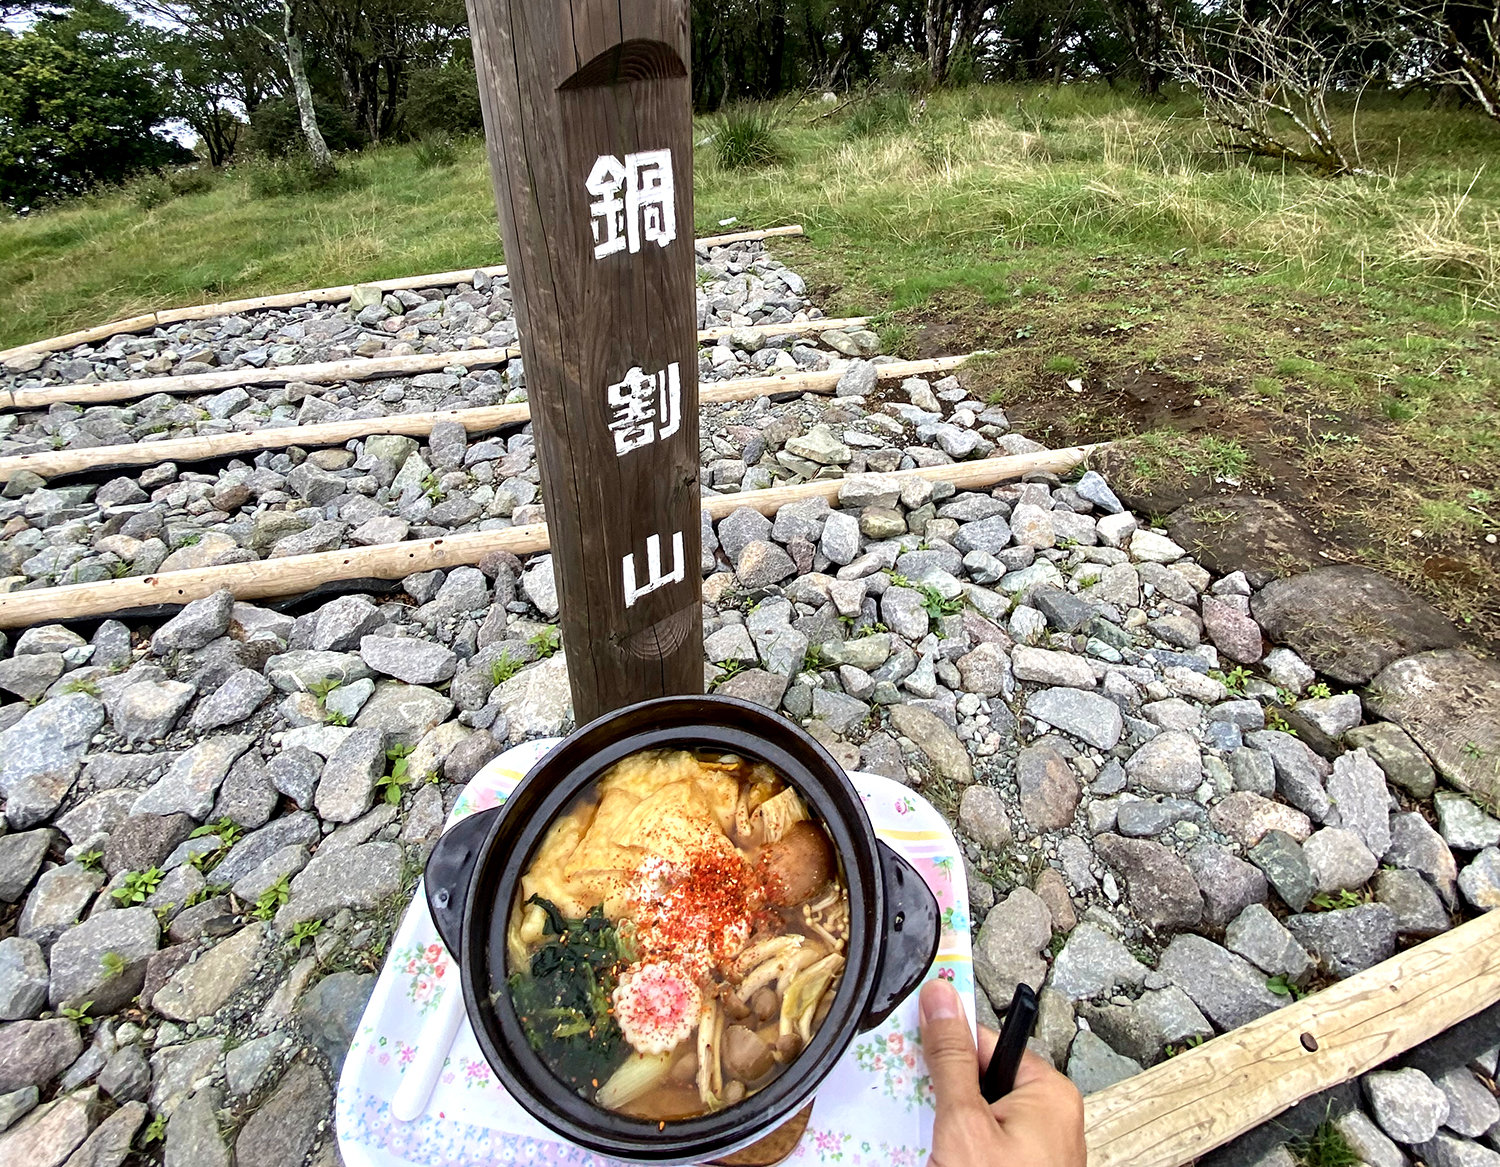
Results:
[587, 113]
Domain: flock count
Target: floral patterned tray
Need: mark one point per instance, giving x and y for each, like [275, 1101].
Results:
[415, 1055]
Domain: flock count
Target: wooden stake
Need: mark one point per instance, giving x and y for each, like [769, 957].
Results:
[329, 372]
[295, 574]
[331, 295]
[52, 463]
[1184, 1107]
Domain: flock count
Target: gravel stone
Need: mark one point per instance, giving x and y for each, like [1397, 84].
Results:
[283, 1128]
[1463, 825]
[41, 754]
[1260, 938]
[1169, 763]
[1048, 787]
[981, 816]
[1093, 1066]
[192, 781]
[198, 623]
[77, 970]
[1280, 856]
[232, 701]
[1162, 891]
[1229, 884]
[358, 877]
[939, 745]
[1093, 963]
[1348, 940]
[347, 789]
[1229, 990]
[408, 659]
[23, 979]
[1087, 716]
[1300, 773]
[1338, 859]
[1406, 1104]
[1007, 949]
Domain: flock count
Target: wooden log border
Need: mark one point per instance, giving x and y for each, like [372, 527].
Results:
[331, 295]
[349, 369]
[1186, 1106]
[295, 574]
[53, 463]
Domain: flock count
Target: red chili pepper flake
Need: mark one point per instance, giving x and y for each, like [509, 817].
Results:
[707, 906]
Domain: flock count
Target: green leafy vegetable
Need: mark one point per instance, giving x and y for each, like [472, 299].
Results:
[564, 1003]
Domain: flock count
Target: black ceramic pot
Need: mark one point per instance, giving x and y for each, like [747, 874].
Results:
[471, 883]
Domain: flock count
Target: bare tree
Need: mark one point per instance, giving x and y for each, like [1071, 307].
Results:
[289, 49]
[1267, 83]
[1467, 58]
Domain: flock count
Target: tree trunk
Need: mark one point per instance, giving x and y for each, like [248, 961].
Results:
[316, 147]
[937, 39]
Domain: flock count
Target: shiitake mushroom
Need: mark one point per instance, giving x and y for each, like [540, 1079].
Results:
[746, 1056]
[797, 864]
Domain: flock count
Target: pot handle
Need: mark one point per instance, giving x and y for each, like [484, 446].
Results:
[910, 936]
[449, 870]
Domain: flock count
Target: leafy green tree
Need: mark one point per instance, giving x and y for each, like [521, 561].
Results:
[80, 104]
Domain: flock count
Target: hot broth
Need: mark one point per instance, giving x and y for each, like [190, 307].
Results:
[679, 934]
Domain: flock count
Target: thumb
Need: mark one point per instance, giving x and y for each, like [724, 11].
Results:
[948, 1046]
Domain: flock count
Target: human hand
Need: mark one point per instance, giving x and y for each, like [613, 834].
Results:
[1038, 1124]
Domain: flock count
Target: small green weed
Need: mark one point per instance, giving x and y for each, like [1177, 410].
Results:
[78, 1014]
[304, 930]
[139, 886]
[1234, 680]
[154, 1131]
[546, 641]
[505, 668]
[389, 788]
[1274, 720]
[731, 668]
[435, 149]
[1285, 988]
[113, 964]
[1175, 1048]
[1319, 690]
[1332, 902]
[1067, 366]
[81, 686]
[92, 860]
[272, 898]
[1324, 1146]
[937, 604]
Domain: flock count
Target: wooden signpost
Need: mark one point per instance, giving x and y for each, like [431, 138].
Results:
[587, 112]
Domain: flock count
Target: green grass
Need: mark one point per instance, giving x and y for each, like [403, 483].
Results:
[1332, 341]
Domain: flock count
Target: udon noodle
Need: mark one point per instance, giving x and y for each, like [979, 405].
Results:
[678, 935]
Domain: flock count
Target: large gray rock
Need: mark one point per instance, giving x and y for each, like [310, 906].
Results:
[1169, 763]
[21, 857]
[1419, 909]
[1358, 789]
[283, 1128]
[1229, 884]
[939, 745]
[32, 1053]
[1007, 949]
[193, 1138]
[1480, 880]
[1093, 963]
[348, 785]
[79, 971]
[1092, 1065]
[1446, 1150]
[191, 782]
[409, 659]
[1338, 859]
[1406, 1104]
[407, 713]
[126, 1077]
[339, 624]
[300, 670]
[1463, 825]
[1300, 773]
[255, 848]
[1087, 716]
[200, 988]
[1260, 938]
[1163, 893]
[330, 1012]
[50, 1134]
[111, 1140]
[358, 877]
[536, 702]
[1046, 667]
[1368, 1142]
[1048, 787]
[1348, 940]
[981, 816]
[57, 901]
[240, 695]
[1416, 846]
[1349, 621]
[1472, 1109]
[148, 710]
[1247, 817]
[198, 623]
[41, 754]
[23, 979]
[1229, 990]
[1286, 867]
[1400, 758]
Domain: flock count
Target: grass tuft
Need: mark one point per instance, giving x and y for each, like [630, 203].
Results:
[747, 139]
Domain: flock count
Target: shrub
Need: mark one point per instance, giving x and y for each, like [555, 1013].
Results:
[191, 180]
[148, 190]
[276, 129]
[435, 149]
[879, 112]
[270, 178]
[445, 99]
[747, 139]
